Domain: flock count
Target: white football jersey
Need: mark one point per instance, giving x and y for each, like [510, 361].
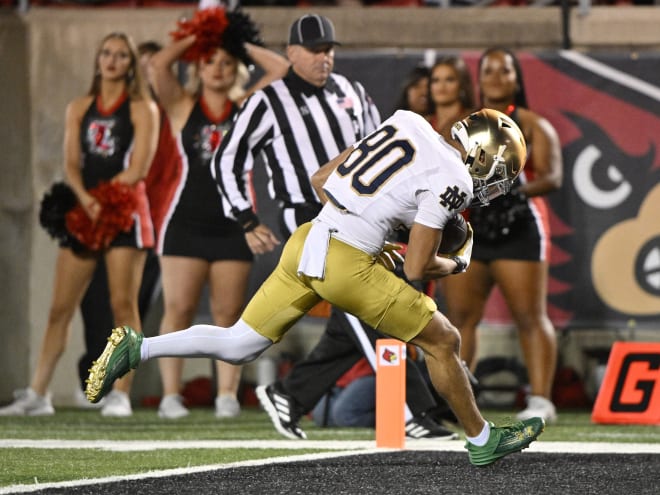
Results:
[404, 172]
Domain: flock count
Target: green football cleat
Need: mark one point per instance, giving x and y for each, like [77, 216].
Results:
[121, 355]
[505, 440]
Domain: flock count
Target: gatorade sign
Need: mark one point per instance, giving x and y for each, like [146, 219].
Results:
[630, 392]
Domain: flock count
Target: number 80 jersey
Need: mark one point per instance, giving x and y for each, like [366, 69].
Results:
[403, 172]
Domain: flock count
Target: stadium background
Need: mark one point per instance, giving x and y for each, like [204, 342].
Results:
[603, 97]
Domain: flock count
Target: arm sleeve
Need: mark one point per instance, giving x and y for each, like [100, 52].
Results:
[429, 212]
[446, 193]
[236, 154]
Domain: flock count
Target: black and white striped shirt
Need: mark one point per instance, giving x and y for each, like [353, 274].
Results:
[297, 128]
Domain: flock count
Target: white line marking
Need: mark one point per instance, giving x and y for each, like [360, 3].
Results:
[613, 74]
[176, 472]
[140, 445]
[360, 448]
[341, 445]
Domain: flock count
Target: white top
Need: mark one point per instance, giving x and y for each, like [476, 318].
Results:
[402, 173]
[295, 128]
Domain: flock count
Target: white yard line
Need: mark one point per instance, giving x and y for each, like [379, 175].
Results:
[134, 445]
[178, 471]
[343, 445]
[345, 448]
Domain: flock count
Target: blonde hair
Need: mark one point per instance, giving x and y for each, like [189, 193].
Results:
[135, 84]
[237, 90]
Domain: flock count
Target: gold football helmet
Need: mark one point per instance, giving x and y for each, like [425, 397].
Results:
[496, 152]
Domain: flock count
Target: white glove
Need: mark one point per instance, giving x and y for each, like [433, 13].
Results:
[463, 255]
[389, 256]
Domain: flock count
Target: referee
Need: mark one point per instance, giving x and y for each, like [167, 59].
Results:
[297, 124]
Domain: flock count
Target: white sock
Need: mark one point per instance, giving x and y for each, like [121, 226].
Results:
[237, 344]
[144, 351]
[481, 439]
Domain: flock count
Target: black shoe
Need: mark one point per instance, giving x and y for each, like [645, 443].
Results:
[423, 426]
[283, 412]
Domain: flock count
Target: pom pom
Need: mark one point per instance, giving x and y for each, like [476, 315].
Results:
[54, 206]
[216, 28]
[55, 203]
[241, 30]
[207, 25]
[118, 203]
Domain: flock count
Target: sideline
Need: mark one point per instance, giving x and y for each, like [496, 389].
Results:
[345, 448]
[349, 446]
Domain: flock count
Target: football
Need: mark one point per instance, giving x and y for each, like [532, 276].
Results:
[454, 235]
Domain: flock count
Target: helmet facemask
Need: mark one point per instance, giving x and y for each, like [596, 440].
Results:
[496, 152]
[495, 183]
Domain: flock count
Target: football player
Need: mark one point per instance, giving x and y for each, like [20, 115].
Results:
[404, 173]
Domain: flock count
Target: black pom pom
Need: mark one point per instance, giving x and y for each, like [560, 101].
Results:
[241, 29]
[54, 206]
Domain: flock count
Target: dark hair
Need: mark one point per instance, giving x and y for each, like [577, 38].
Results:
[149, 46]
[466, 94]
[520, 97]
[413, 77]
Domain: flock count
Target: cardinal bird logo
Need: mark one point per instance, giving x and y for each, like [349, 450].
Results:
[605, 247]
[389, 356]
[606, 239]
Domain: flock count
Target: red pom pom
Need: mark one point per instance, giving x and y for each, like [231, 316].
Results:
[207, 25]
[118, 203]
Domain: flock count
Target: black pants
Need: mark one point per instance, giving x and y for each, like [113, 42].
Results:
[97, 314]
[339, 348]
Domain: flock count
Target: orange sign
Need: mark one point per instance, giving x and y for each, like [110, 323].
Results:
[630, 392]
[390, 393]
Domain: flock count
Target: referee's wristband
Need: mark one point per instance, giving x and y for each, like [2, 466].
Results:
[461, 265]
[247, 220]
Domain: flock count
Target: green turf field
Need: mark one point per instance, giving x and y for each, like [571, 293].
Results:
[42, 458]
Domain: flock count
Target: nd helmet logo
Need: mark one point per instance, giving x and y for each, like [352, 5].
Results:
[630, 392]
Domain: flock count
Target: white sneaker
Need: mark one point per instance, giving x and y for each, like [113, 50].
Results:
[171, 407]
[226, 406]
[117, 405]
[81, 402]
[539, 407]
[28, 403]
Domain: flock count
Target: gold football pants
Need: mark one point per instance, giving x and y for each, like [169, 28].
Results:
[353, 282]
